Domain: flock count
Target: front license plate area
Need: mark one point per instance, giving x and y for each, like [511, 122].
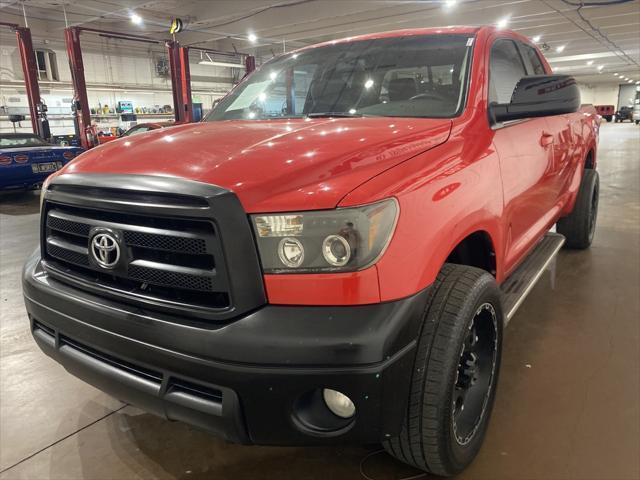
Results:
[46, 167]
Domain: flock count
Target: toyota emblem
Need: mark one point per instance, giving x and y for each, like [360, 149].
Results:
[105, 250]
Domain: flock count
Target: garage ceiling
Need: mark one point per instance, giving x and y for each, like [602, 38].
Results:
[591, 42]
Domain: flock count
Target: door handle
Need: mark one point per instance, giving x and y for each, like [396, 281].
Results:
[546, 139]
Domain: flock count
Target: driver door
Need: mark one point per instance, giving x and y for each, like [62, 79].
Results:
[525, 149]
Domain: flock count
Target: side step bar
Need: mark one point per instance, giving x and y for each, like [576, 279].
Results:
[516, 288]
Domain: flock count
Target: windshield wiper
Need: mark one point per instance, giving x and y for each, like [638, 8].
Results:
[334, 114]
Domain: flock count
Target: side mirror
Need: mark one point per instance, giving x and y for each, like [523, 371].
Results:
[539, 96]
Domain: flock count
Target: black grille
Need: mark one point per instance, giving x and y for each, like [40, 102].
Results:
[68, 256]
[165, 242]
[170, 279]
[67, 226]
[174, 260]
[179, 242]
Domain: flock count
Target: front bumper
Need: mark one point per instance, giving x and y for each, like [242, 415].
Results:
[242, 380]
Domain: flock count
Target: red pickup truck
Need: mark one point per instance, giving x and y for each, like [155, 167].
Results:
[331, 255]
[606, 111]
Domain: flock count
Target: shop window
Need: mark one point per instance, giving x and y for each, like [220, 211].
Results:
[47, 65]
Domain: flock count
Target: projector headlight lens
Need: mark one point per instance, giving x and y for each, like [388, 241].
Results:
[291, 252]
[340, 240]
[336, 250]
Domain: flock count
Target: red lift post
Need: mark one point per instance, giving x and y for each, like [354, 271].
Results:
[181, 81]
[82, 113]
[181, 77]
[37, 109]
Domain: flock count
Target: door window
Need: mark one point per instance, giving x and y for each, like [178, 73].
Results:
[505, 71]
[532, 56]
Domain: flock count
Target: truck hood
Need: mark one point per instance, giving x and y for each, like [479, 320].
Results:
[272, 165]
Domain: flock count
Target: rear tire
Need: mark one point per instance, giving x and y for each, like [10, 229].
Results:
[456, 366]
[579, 226]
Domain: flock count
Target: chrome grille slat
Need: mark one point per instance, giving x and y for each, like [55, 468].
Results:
[167, 267]
[169, 278]
[134, 235]
[60, 243]
[68, 256]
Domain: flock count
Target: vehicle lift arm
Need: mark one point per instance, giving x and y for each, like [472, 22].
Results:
[181, 78]
[80, 106]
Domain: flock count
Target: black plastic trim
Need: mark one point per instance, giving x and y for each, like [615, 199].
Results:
[262, 363]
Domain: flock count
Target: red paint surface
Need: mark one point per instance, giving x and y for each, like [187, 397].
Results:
[451, 177]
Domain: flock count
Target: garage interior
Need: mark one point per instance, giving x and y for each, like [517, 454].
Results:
[568, 403]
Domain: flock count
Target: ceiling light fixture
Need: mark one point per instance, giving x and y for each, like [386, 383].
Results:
[561, 48]
[590, 62]
[449, 3]
[600, 67]
[252, 37]
[135, 19]
[503, 22]
[221, 64]
[536, 39]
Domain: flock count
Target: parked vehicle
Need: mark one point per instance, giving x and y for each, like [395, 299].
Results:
[26, 160]
[606, 111]
[636, 108]
[146, 127]
[331, 255]
[624, 113]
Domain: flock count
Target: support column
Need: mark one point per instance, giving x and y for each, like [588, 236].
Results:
[185, 87]
[173, 49]
[30, 72]
[250, 64]
[81, 111]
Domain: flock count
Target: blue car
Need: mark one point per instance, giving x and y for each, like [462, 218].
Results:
[26, 160]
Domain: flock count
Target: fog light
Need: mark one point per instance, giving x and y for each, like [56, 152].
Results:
[336, 250]
[338, 403]
[291, 252]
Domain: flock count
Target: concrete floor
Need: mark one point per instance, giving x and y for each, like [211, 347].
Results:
[568, 403]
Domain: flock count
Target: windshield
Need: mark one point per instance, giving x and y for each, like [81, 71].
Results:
[18, 141]
[410, 76]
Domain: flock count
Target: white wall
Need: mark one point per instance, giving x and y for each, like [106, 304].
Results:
[114, 70]
[599, 93]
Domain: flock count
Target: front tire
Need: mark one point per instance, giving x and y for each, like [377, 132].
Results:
[579, 226]
[454, 375]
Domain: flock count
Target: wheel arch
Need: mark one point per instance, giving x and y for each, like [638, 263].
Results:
[476, 249]
[590, 159]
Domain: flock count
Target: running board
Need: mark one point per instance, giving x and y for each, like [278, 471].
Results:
[516, 288]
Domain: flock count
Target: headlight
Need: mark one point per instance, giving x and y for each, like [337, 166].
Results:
[341, 240]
